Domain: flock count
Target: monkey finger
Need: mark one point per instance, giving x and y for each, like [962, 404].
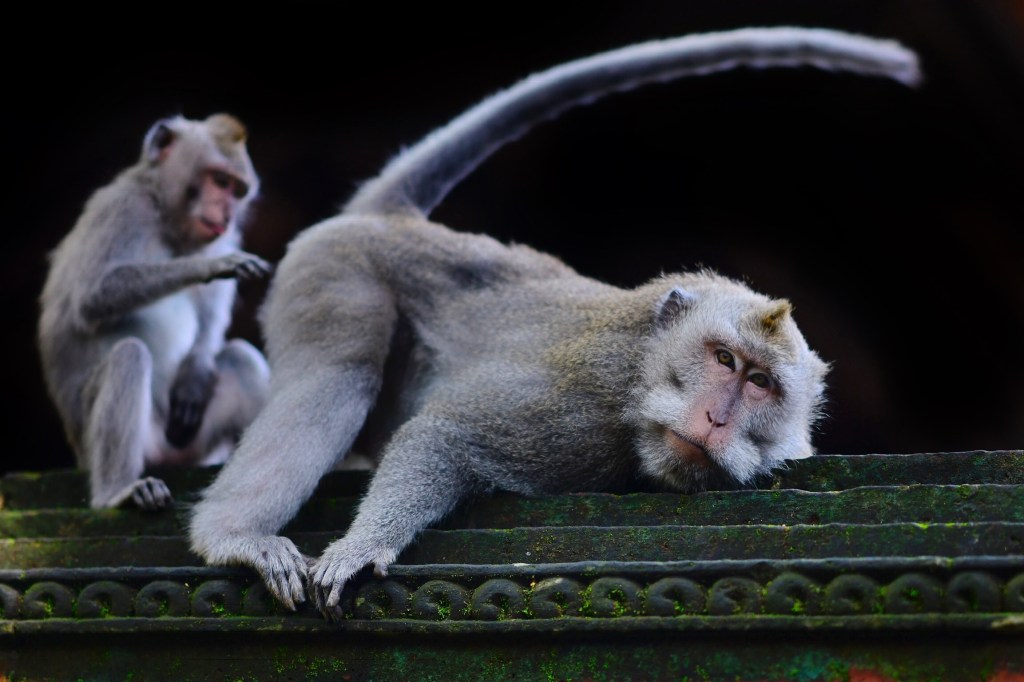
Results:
[252, 270]
[335, 614]
[282, 592]
[295, 587]
[161, 493]
[290, 572]
[316, 596]
[143, 496]
[182, 427]
[336, 587]
[139, 498]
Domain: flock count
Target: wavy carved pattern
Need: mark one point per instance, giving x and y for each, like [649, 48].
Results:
[556, 597]
[382, 599]
[105, 599]
[216, 599]
[498, 599]
[163, 598]
[788, 594]
[440, 600]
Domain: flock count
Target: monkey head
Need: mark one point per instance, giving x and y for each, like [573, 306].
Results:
[204, 179]
[728, 388]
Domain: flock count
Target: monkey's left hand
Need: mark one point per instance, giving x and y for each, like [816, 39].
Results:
[340, 561]
[190, 394]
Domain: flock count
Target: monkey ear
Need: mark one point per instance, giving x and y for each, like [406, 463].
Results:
[157, 144]
[672, 305]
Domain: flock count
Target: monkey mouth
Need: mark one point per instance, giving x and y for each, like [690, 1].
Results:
[688, 450]
[214, 228]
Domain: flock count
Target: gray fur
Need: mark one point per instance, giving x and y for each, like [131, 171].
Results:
[517, 373]
[134, 313]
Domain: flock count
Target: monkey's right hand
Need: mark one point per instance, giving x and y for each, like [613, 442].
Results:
[241, 265]
[190, 394]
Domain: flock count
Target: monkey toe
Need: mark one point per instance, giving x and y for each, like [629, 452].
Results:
[151, 494]
[282, 568]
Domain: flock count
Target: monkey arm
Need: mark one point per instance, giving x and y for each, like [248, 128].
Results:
[423, 475]
[129, 286]
[126, 287]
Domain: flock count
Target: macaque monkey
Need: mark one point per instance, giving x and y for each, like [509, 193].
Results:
[507, 369]
[136, 306]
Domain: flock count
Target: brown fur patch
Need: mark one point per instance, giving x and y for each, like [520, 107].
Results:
[771, 321]
[226, 129]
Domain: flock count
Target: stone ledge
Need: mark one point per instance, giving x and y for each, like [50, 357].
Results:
[857, 588]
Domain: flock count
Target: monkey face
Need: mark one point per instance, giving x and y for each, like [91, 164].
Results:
[204, 178]
[729, 387]
[215, 203]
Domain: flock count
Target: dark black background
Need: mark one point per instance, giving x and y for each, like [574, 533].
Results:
[891, 218]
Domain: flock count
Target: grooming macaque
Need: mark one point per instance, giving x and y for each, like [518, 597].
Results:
[493, 367]
[136, 306]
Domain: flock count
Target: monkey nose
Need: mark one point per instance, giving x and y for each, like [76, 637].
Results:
[714, 422]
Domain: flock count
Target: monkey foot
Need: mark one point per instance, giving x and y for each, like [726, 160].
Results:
[147, 493]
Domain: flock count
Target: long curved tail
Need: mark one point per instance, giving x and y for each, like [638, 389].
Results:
[418, 179]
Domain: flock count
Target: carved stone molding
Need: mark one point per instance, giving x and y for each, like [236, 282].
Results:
[527, 597]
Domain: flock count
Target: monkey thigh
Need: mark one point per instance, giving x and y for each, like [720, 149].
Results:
[243, 382]
[119, 432]
[330, 304]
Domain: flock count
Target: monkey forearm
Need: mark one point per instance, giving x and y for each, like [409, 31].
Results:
[131, 286]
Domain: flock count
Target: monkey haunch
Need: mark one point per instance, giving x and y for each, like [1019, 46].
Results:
[507, 369]
[135, 309]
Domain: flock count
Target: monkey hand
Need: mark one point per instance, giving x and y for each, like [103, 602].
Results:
[190, 394]
[241, 265]
[339, 562]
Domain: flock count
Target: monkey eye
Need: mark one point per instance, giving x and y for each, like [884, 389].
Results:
[221, 179]
[760, 380]
[229, 182]
[724, 357]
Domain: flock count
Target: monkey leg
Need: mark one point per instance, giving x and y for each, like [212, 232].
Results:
[118, 430]
[304, 428]
[424, 473]
[243, 383]
[328, 332]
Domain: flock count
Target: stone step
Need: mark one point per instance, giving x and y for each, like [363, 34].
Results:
[876, 505]
[30, 490]
[867, 567]
[569, 544]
